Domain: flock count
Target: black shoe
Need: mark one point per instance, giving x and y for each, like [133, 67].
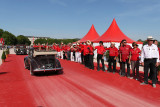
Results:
[98, 69]
[143, 83]
[114, 72]
[104, 70]
[122, 75]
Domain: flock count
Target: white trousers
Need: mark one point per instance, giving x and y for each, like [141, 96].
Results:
[78, 57]
[72, 57]
[61, 53]
[58, 54]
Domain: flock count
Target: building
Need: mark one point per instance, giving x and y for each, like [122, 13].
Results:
[33, 38]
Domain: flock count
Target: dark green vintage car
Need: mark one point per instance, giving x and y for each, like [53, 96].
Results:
[42, 61]
[20, 50]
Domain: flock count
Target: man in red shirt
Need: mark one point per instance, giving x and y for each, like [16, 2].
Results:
[57, 48]
[134, 59]
[100, 55]
[82, 50]
[91, 55]
[124, 57]
[86, 54]
[113, 54]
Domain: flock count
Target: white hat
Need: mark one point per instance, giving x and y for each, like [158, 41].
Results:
[113, 43]
[150, 38]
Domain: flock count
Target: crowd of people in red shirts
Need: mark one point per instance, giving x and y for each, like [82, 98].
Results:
[84, 53]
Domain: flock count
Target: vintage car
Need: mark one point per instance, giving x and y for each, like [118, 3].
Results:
[42, 61]
[20, 50]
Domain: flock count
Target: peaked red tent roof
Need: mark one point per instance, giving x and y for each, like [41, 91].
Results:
[91, 35]
[113, 34]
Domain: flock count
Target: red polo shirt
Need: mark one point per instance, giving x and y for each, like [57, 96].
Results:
[54, 47]
[100, 49]
[112, 51]
[63, 48]
[81, 48]
[135, 54]
[91, 50]
[35, 46]
[86, 50]
[58, 49]
[125, 50]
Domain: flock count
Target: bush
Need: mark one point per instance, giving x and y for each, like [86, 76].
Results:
[3, 55]
[7, 51]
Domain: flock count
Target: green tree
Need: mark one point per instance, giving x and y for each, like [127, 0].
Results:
[9, 38]
[140, 40]
[23, 40]
[1, 32]
[41, 41]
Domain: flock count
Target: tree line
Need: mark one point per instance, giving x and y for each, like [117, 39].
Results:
[50, 41]
[11, 39]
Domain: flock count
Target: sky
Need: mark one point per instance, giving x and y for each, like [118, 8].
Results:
[137, 19]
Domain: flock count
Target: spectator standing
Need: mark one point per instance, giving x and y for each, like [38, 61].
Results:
[150, 74]
[120, 63]
[150, 59]
[91, 55]
[100, 55]
[134, 59]
[82, 50]
[113, 54]
[86, 54]
[124, 57]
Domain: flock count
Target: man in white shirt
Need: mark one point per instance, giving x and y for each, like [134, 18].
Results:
[150, 59]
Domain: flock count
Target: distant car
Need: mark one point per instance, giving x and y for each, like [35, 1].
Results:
[42, 61]
[20, 50]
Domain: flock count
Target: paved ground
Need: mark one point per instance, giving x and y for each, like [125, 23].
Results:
[76, 87]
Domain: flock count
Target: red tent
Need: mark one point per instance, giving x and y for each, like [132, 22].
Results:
[91, 35]
[113, 34]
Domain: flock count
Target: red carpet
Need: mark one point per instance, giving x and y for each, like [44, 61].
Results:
[77, 87]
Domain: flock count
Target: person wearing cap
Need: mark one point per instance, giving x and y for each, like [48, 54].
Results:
[124, 57]
[100, 55]
[150, 74]
[77, 52]
[150, 60]
[134, 59]
[72, 50]
[113, 54]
